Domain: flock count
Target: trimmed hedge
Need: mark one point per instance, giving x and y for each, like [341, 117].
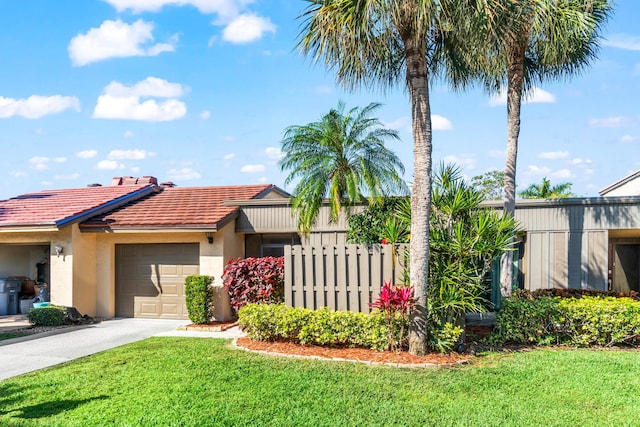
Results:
[574, 293]
[582, 322]
[277, 322]
[199, 298]
[51, 315]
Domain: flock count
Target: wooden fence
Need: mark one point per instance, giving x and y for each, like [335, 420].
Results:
[341, 277]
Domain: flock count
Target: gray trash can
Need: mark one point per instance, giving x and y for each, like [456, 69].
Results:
[9, 302]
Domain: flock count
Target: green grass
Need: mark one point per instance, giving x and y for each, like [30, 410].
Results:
[203, 382]
[10, 335]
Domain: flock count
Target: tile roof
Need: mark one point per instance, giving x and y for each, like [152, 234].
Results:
[178, 207]
[61, 207]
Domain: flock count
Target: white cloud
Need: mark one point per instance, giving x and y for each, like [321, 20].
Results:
[274, 153]
[400, 123]
[205, 115]
[116, 39]
[122, 102]
[622, 41]
[184, 174]
[611, 122]
[580, 161]
[497, 154]
[553, 155]
[228, 138]
[629, 138]
[86, 154]
[109, 165]
[39, 162]
[440, 123]
[535, 96]
[538, 170]
[561, 174]
[60, 159]
[72, 176]
[229, 156]
[465, 161]
[37, 106]
[149, 87]
[252, 168]
[135, 169]
[135, 154]
[18, 174]
[262, 179]
[247, 28]
[220, 7]
[128, 134]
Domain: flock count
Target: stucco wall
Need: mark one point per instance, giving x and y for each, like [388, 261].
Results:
[213, 257]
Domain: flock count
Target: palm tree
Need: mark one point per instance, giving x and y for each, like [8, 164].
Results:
[544, 190]
[342, 156]
[387, 43]
[530, 41]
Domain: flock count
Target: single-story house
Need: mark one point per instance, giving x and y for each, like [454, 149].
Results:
[124, 249]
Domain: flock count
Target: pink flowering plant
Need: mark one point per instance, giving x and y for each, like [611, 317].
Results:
[396, 303]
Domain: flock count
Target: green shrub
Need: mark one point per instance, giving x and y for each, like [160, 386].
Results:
[199, 298]
[48, 316]
[582, 322]
[277, 322]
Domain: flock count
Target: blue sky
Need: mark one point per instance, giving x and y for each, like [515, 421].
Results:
[198, 92]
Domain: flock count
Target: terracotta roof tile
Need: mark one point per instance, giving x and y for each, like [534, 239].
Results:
[178, 207]
[57, 207]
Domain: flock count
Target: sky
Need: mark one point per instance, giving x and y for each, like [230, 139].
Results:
[199, 92]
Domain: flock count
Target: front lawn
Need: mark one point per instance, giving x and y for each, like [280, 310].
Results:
[203, 382]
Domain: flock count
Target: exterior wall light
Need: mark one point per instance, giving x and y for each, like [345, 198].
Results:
[209, 237]
[59, 250]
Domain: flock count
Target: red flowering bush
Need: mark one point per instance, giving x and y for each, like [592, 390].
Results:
[254, 280]
[396, 303]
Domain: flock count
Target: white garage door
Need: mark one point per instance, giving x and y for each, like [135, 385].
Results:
[150, 279]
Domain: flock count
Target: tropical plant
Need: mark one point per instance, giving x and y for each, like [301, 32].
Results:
[342, 157]
[544, 190]
[370, 225]
[389, 43]
[465, 239]
[396, 303]
[526, 42]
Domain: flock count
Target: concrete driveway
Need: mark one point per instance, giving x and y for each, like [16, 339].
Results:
[31, 355]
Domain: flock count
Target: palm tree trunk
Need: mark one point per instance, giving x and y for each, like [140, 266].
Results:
[515, 84]
[418, 84]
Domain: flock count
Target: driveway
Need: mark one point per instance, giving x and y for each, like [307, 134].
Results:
[26, 356]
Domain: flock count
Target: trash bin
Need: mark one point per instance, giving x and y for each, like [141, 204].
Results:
[9, 302]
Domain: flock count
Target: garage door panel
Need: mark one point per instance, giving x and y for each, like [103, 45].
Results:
[143, 270]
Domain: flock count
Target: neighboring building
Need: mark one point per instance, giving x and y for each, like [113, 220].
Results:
[627, 186]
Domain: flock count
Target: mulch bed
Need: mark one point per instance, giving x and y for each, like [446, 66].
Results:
[210, 327]
[402, 359]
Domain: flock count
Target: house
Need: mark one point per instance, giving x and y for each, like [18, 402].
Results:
[125, 249]
[627, 186]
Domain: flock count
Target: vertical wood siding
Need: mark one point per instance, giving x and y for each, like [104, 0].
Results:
[341, 277]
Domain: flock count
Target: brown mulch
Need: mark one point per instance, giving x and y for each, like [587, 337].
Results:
[352, 354]
[213, 326]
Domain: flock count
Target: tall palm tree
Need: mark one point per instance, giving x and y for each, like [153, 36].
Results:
[530, 41]
[385, 44]
[388, 43]
[544, 190]
[342, 157]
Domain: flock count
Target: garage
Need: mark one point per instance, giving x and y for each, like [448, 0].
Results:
[150, 279]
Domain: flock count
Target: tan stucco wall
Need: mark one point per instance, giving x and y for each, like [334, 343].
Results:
[84, 276]
[213, 258]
